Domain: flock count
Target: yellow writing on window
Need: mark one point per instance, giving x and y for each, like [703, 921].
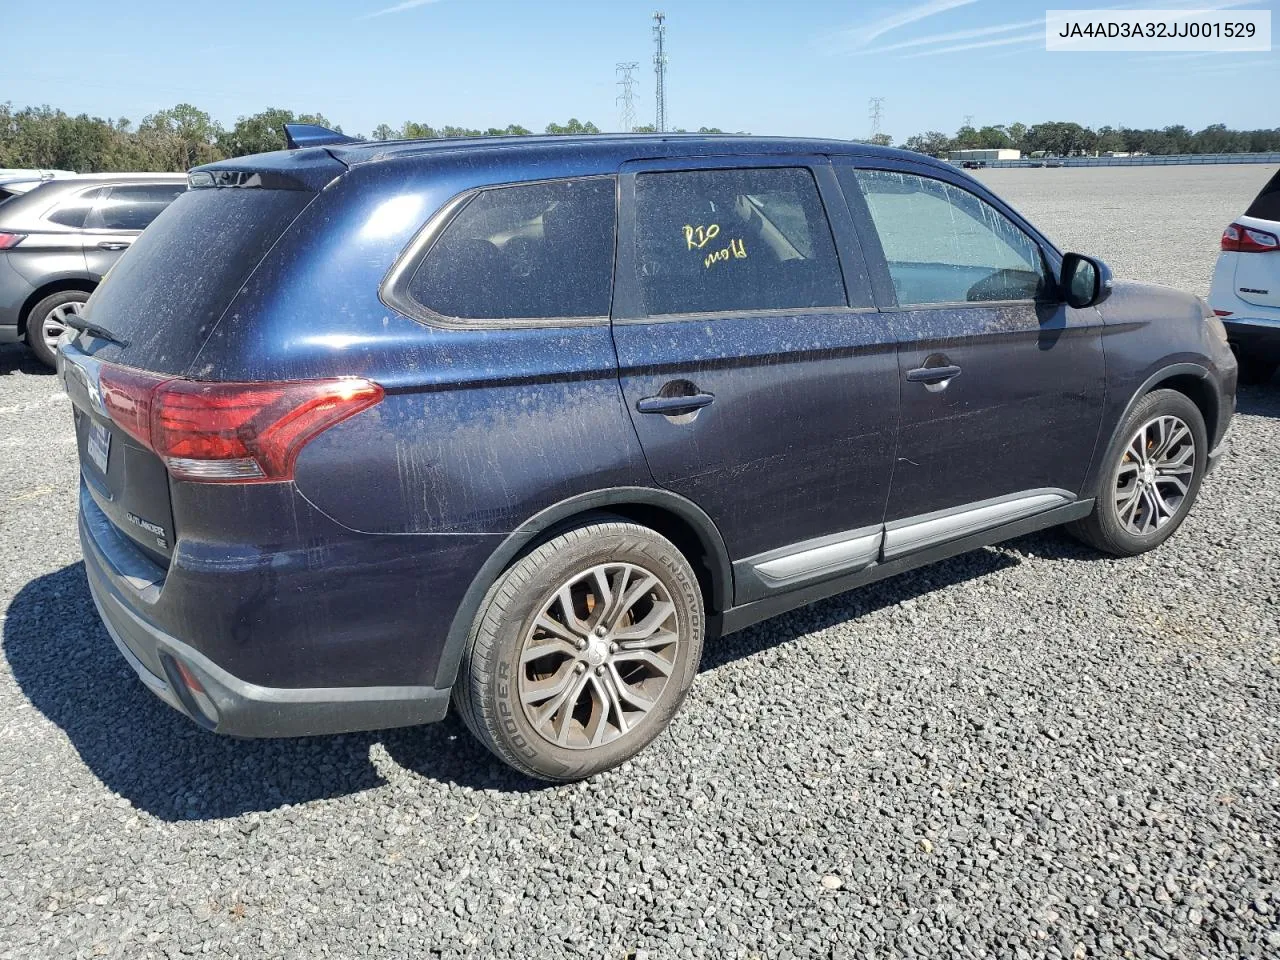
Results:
[737, 249]
[696, 238]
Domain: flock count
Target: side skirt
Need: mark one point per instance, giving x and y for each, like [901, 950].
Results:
[747, 614]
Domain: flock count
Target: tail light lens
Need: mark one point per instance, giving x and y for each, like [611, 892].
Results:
[10, 240]
[1242, 239]
[229, 432]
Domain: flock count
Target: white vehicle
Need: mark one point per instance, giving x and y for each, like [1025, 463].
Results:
[15, 182]
[1246, 285]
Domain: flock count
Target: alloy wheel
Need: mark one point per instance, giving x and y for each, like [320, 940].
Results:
[598, 656]
[55, 322]
[1155, 474]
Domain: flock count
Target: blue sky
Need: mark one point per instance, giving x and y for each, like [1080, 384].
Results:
[766, 66]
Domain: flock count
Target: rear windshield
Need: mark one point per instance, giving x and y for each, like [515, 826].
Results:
[1267, 204]
[166, 294]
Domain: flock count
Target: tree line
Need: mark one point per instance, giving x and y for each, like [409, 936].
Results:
[184, 136]
[1056, 138]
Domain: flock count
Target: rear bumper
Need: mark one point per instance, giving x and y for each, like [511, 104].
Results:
[226, 703]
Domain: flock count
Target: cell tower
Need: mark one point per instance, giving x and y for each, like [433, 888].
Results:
[876, 105]
[660, 69]
[627, 98]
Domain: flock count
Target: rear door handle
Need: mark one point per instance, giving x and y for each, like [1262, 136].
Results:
[112, 245]
[674, 406]
[933, 374]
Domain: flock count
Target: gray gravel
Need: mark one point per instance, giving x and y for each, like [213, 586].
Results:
[1029, 751]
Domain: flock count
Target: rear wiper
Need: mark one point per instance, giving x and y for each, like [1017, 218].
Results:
[93, 329]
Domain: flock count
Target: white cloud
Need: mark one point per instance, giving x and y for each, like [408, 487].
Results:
[397, 8]
[855, 38]
[1031, 37]
[957, 35]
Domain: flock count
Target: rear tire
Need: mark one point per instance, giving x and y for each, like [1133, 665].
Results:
[1150, 478]
[564, 695]
[47, 320]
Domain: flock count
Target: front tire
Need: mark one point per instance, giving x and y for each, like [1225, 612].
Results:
[1151, 476]
[48, 319]
[582, 651]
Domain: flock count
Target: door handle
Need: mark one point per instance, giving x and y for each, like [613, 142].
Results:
[933, 374]
[674, 406]
[112, 245]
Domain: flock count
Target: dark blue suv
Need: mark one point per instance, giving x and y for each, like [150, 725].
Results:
[517, 423]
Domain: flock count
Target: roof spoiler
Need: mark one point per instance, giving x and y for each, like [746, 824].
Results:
[298, 135]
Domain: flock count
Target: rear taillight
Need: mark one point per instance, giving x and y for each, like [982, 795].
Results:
[10, 240]
[229, 432]
[1222, 313]
[1242, 239]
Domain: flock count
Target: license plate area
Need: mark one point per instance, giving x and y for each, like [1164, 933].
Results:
[98, 445]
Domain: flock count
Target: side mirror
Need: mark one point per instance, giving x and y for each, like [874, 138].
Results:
[1085, 281]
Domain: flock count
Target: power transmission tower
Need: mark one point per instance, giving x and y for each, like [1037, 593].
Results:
[660, 69]
[627, 98]
[877, 112]
[968, 119]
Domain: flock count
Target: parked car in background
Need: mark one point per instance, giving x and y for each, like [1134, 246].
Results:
[14, 182]
[1246, 285]
[974, 164]
[58, 240]
[521, 421]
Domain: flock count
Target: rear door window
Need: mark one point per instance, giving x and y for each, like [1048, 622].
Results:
[132, 206]
[944, 244]
[535, 251]
[710, 241]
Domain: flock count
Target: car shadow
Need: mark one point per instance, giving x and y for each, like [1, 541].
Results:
[144, 751]
[1262, 400]
[16, 358]
[853, 605]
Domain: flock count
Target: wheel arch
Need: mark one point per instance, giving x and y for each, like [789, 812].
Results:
[1190, 379]
[48, 289]
[678, 519]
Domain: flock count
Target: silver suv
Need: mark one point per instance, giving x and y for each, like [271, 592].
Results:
[59, 240]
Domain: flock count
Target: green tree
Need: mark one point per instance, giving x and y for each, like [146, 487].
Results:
[934, 143]
[573, 126]
[384, 132]
[882, 140]
[264, 131]
[180, 138]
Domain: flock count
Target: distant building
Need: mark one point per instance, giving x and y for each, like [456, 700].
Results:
[1116, 153]
[956, 156]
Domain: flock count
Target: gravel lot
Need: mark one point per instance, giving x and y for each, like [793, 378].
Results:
[1027, 751]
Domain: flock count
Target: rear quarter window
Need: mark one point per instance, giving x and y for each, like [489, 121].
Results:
[75, 209]
[524, 253]
[1266, 206]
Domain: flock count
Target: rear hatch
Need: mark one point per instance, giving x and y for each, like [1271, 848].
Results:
[1257, 275]
[159, 304]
